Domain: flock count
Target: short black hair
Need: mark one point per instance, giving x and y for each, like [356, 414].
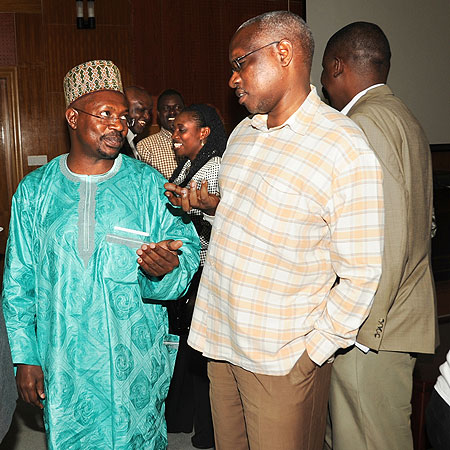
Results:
[168, 93]
[363, 44]
[136, 89]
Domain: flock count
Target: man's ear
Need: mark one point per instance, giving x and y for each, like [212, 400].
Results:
[338, 66]
[285, 51]
[72, 118]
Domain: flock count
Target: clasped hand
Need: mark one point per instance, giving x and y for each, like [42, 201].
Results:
[157, 259]
[192, 197]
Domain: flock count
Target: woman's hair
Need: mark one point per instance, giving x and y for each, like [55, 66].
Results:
[204, 116]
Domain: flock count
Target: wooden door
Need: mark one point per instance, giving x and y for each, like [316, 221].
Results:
[10, 154]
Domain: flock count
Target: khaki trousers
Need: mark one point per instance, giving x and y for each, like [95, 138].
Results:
[370, 401]
[264, 412]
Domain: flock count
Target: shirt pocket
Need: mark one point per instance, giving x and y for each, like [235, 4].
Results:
[122, 244]
[282, 216]
[132, 239]
[272, 212]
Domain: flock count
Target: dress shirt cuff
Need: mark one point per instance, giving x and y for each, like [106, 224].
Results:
[208, 218]
[24, 346]
[320, 347]
[362, 347]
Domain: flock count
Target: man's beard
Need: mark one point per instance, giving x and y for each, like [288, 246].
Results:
[105, 155]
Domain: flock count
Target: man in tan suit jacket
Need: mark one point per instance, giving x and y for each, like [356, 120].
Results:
[370, 398]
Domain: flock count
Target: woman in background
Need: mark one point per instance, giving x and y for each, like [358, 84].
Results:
[200, 138]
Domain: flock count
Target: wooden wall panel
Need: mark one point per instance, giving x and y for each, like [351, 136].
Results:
[8, 55]
[10, 151]
[61, 13]
[69, 47]
[116, 12]
[56, 126]
[34, 117]
[21, 6]
[32, 87]
[30, 39]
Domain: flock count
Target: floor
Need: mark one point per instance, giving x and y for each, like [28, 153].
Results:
[27, 433]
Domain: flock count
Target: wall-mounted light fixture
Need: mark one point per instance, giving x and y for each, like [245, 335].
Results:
[81, 22]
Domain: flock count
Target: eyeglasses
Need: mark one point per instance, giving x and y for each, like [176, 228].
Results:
[235, 63]
[105, 119]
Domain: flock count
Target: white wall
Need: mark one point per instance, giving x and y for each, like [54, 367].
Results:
[419, 35]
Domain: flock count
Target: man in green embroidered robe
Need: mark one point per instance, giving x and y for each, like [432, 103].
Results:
[87, 348]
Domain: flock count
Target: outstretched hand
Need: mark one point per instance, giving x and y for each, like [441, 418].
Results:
[30, 384]
[192, 197]
[157, 259]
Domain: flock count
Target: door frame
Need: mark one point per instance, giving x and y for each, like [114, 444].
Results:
[12, 137]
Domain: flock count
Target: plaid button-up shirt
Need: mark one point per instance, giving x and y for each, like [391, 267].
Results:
[157, 151]
[301, 204]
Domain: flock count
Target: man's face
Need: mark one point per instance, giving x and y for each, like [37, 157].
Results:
[101, 137]
[140, 106]
[170, 107]
[331, 84]
[259, 83]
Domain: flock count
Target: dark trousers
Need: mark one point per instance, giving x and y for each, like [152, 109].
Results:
[438, 422]
[188, 405]
[180, 400]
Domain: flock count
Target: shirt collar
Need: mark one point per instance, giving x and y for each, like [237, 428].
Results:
[350, 104]
[130, 136]
[297, 122]
[89, 178]
[166, 133]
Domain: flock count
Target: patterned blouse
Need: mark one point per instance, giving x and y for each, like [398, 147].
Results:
[210, 173]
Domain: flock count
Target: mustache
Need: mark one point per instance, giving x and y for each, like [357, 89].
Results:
[113, 134]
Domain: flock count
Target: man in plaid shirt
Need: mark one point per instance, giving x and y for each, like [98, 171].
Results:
[296, 246]
[157, 149]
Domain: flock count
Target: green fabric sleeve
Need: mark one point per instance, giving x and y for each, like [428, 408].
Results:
[19, 295]
[176, 226]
